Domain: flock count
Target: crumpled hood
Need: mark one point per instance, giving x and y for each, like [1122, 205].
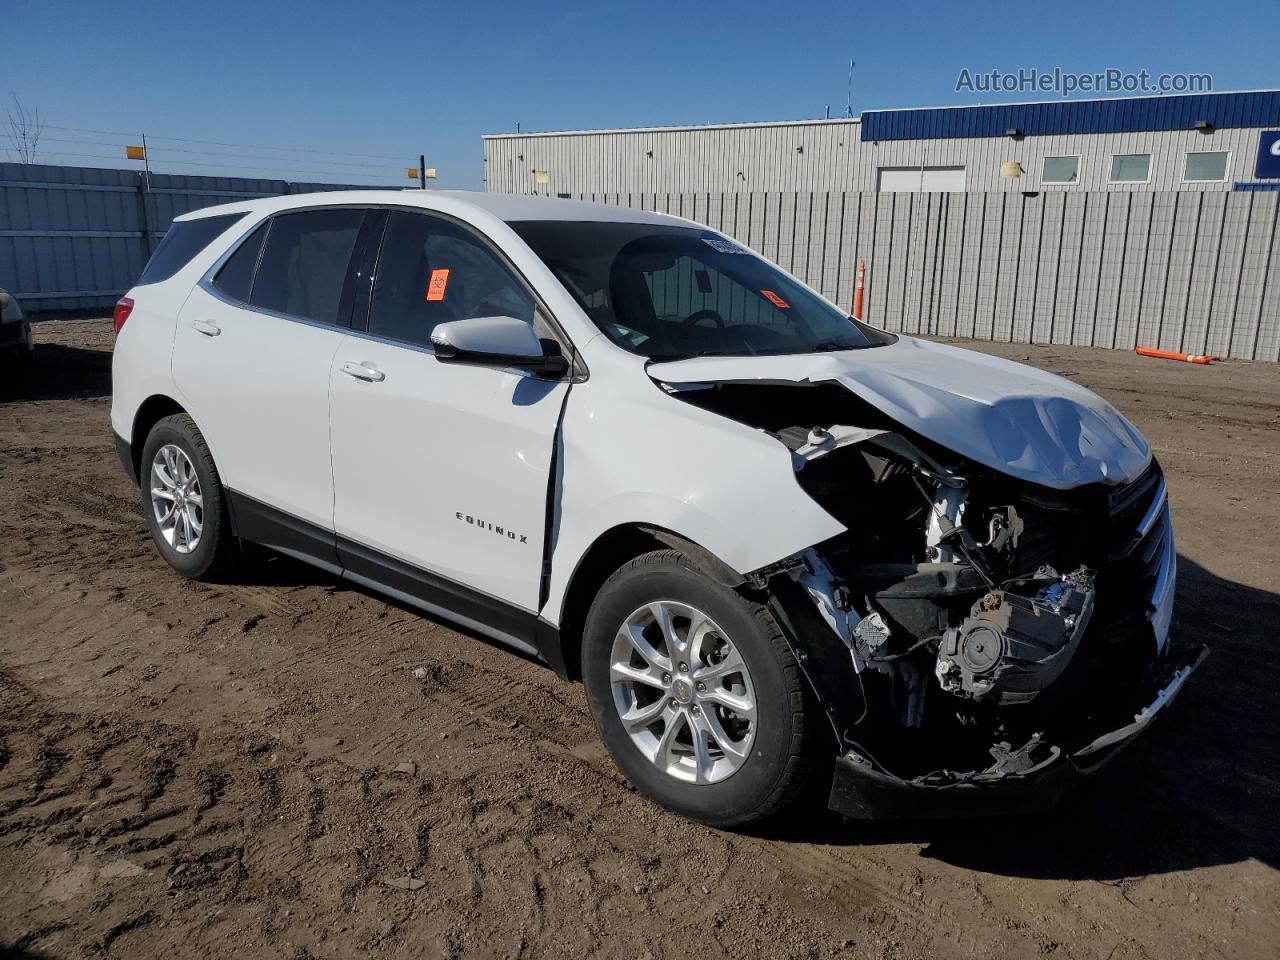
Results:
[1029, 424]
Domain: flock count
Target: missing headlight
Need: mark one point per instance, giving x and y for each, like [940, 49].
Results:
[1011, 646]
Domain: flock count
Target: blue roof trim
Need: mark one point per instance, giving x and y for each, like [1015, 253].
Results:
[1129, 115]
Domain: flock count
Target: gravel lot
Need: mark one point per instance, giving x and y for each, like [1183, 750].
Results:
[244, 769]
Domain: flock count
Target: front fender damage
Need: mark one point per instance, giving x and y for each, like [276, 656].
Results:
[977, 643]
[984, 633]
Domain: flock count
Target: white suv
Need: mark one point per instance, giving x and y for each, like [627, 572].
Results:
[780, 547]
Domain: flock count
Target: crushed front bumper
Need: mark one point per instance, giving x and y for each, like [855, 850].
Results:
[860, 791]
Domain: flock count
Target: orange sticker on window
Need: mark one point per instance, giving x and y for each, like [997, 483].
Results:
[436, 286]
[776, 300]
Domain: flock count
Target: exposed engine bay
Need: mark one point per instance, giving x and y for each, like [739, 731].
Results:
[989, 625]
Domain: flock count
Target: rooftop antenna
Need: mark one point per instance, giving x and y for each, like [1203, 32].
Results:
[849, 107]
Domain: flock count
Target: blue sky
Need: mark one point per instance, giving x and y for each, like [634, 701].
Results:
[352, 92]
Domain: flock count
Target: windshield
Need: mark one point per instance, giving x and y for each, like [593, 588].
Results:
[670, 292]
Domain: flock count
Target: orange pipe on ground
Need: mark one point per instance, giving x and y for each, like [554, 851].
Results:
[857, 294]
[1172, 355]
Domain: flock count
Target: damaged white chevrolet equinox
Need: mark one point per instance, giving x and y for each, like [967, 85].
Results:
[781, 548]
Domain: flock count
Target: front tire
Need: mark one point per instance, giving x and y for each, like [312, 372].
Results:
[696, 693]
[184, 501]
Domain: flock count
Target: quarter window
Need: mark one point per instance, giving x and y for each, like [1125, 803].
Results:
[184, 239]
[432, 271]
[235, 279]
[1208, 166]
[1130, 168]
[1060, 170]
[304, 265]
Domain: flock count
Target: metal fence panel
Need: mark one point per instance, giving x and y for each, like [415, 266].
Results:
[1225, 296]
[1189, 271]
[1185, 271]
[78, 237]
[1259, 243]
[1204, 262]
[1026, 269]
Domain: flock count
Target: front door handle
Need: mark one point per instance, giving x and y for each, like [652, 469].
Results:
[207, 327]
[363, 371]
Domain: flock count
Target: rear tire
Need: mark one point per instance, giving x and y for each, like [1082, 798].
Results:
[184, 501]
[759, 754]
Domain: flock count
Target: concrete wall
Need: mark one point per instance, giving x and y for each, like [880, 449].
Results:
[830, 155]
[1197, 272]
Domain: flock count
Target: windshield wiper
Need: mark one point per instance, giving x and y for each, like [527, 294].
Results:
[830, 346]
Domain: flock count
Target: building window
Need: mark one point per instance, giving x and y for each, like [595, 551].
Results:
[1131, 168]
[1060, 170]
[920, 179]
[1205, 167]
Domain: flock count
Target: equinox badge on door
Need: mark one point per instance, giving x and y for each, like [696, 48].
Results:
[486, 525]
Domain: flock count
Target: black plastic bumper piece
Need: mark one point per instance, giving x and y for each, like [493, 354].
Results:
[864, 793]
[125, 452]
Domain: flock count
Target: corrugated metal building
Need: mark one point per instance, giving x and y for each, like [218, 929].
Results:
[1214, 142]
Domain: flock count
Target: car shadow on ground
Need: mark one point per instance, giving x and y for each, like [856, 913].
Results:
[21, 953]
[263, 568]
[1200, 788]
[55, 372]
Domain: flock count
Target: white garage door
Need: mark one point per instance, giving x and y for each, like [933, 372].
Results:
[921, 179]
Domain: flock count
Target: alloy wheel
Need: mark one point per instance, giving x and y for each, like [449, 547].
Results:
[176, 498]
[683, 692]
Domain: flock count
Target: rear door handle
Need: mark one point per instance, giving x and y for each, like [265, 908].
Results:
[207, 327]
[363, 371]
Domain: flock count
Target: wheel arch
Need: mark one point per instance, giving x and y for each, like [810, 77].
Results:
[608, 553]
[150, 412]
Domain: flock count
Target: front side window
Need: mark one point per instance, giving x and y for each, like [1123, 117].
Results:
[304, 264]
[671, 292]
[433, 271]
[184, 239]
[1130, 168]
[1207, 166]
[1060, 170]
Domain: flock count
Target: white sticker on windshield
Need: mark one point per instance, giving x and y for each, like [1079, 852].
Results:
[722, 246]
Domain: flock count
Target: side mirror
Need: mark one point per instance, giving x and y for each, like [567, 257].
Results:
[497, 342]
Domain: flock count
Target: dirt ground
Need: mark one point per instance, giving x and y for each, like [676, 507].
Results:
[245, 770]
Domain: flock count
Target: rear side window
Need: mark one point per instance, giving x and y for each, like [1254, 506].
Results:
[304, 265]
[432, 271]
[183, 241]
[235, 279]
